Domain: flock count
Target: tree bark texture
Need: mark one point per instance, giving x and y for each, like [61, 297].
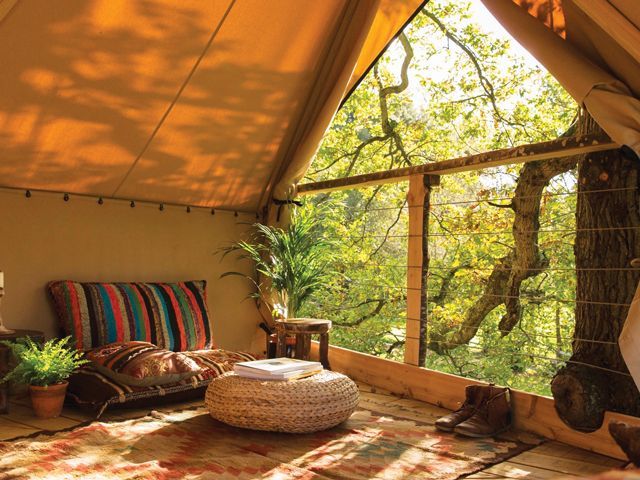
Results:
[524, 261]
[607, 237]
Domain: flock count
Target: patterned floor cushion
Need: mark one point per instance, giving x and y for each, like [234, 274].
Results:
[142, 364]
[90, 388]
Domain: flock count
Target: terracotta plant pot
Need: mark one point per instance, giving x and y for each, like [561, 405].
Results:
[47, 401]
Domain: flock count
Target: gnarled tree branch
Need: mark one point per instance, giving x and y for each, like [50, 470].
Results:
[524, 261]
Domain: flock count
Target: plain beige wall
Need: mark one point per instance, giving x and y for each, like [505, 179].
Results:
[43, 238]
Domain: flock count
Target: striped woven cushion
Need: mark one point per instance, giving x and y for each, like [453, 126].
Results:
[173, 316]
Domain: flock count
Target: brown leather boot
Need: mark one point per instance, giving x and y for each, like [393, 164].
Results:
[492, 416]
[628, 438]
[474, 396]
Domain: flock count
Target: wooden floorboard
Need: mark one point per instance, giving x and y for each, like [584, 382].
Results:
[484, 476]
[24, 415]
[561, 450]
[547, 460]
[512, 470]
[366, 388]
[562, 465]
[10, 429]
[552, 460]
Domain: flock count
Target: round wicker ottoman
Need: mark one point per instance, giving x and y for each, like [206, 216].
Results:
[307, 405]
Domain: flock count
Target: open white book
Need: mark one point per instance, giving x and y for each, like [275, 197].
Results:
[277, 368]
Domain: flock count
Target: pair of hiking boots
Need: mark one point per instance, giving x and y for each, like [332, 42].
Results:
[485, 412]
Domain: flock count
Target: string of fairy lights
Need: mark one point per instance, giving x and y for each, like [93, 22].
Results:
[133, 203]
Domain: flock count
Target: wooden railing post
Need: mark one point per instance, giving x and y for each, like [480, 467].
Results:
[418, 201]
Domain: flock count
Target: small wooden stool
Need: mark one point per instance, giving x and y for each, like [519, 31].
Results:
[303, 328]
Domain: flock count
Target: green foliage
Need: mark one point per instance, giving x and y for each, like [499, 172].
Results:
[293, 260]
[459, 102]
[43, 365]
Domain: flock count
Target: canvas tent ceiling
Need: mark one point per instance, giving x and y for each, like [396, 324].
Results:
[592, 47]
[184, 101]
[223, 103]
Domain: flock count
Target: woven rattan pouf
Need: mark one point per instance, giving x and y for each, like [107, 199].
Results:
[299, 406]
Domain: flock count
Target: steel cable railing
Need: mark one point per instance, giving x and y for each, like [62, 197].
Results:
[489, 232]
[492, 199]
[438, 235]
[360, 265]
[506, 352]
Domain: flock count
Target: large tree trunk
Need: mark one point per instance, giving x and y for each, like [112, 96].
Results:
[607, 238]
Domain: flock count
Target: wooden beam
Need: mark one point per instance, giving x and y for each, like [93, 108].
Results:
[418, 200]
[531, 412]
[562, 147]
[415, 199]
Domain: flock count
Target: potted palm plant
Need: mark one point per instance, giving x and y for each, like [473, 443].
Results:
[45, 368]
[291, 263]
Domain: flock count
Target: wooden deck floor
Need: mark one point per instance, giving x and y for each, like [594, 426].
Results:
[545, 461]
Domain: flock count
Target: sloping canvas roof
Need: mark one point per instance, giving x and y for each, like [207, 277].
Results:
[184, 101]
[223, 103]
[592, 47]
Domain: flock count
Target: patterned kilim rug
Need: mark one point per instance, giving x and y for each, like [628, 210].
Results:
[190, 444]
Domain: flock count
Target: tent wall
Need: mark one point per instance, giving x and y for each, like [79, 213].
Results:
[44, 238]
[185, 101]
[587, 54]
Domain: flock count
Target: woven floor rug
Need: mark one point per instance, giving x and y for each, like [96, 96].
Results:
[189, 444]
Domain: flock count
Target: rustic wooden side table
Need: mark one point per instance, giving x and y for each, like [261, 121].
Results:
[302, 329]
[7, 362]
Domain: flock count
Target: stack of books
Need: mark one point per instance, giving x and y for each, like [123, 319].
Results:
[277, 369]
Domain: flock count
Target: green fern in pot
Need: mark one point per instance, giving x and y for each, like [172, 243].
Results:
[45, 368]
